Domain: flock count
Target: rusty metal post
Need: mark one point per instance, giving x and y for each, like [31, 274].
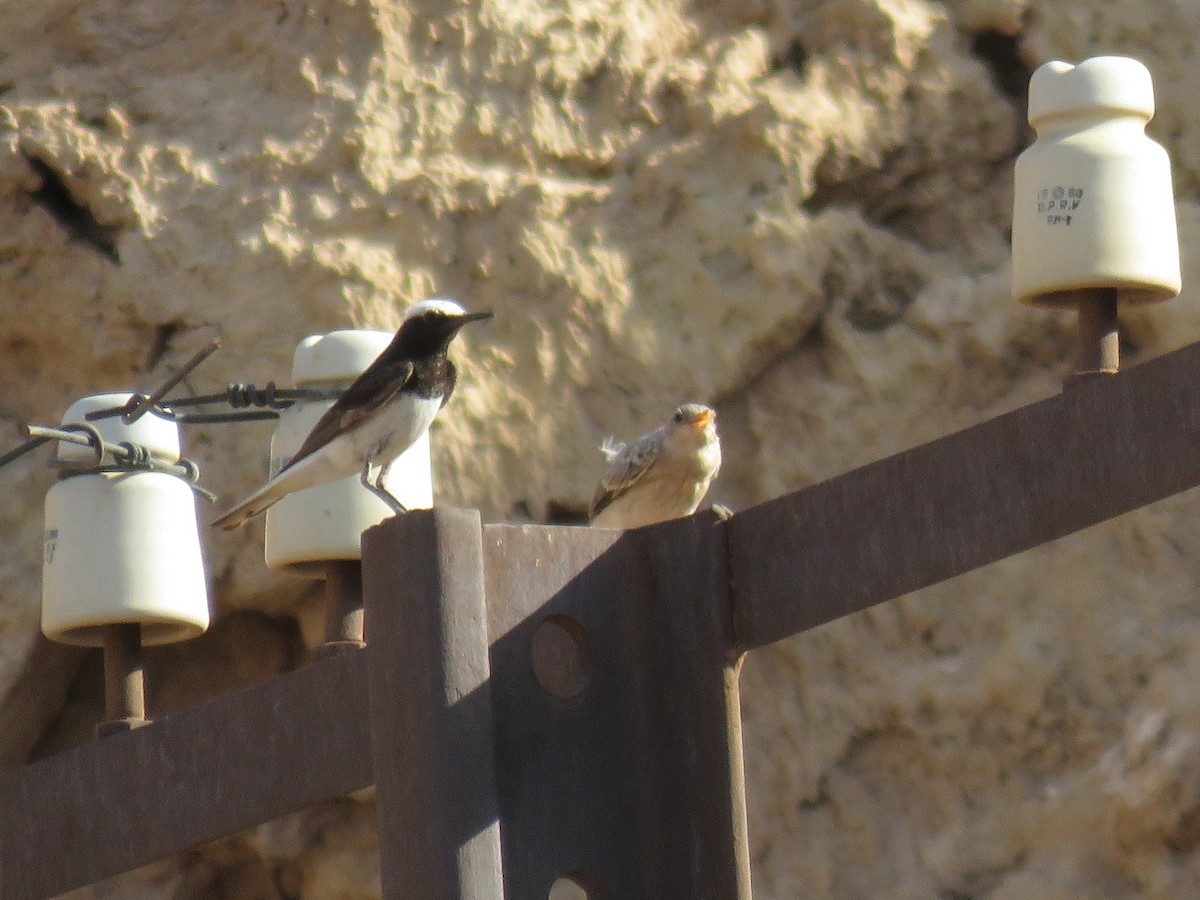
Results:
[343, 608]
[124, 680]
[431, 707]
[1099, 334]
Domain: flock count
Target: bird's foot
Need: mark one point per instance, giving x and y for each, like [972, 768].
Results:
[382, 493]
[376, 487]
[721, 511]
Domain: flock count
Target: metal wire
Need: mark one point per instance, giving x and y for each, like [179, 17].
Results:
[219, 418]
[239, 396]
[126, 456]
[147, 403]
[21, 449]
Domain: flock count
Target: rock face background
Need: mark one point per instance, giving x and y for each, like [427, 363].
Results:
[797, 212]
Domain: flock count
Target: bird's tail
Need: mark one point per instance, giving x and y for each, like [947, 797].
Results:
[268, 495]
[311, 470]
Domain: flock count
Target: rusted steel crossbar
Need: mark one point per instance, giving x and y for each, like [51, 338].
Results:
[114, 804]
[1104, 447]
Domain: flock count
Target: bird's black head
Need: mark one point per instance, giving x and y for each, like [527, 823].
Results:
[432, 324]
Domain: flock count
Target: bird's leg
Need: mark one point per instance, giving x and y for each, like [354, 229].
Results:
[396, 505]
[378, 489]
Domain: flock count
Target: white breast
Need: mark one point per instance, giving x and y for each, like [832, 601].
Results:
[395, 427]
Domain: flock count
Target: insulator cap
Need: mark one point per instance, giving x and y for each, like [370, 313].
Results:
[156, 433]
[1093, 205]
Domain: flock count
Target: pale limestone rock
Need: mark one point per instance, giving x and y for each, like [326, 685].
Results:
[796, 211]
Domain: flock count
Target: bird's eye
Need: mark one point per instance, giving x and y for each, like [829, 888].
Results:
[678, 417]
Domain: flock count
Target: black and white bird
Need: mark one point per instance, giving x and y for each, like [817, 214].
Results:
[661, 475]
[386, 409]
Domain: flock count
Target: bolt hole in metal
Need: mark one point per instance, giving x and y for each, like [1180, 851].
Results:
[568, 888]
[560, 659]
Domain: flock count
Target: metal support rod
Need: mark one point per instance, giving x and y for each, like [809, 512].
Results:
[124, 680]
[735, 779]
[432, 736]
[343, 608]
[1099, 335]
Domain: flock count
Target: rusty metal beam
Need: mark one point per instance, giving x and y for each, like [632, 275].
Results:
[114, 804]
[617, 730]
[1105, 447]
[431, 708]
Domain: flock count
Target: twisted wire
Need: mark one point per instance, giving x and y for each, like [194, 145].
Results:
[126, 456]
[248, 401]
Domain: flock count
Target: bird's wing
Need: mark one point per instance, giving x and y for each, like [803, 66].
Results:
[381, 381]
[627, 465]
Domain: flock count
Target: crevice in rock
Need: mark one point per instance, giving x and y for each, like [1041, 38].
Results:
[817, 800]
[812, 340]
[76, 219]
[982, 882]
[1185, 837]
[160, 344]
[1001, 53]
[795, 57]
[877, 302]
[880, 189]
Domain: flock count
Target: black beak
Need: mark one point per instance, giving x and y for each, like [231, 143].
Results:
[467, 318]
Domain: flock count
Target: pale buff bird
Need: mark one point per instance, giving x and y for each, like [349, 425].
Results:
[661, 475]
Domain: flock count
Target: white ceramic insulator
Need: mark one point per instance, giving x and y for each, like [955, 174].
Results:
[158, 435]
[123, 547]
[310, 528]
[1093, 205]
